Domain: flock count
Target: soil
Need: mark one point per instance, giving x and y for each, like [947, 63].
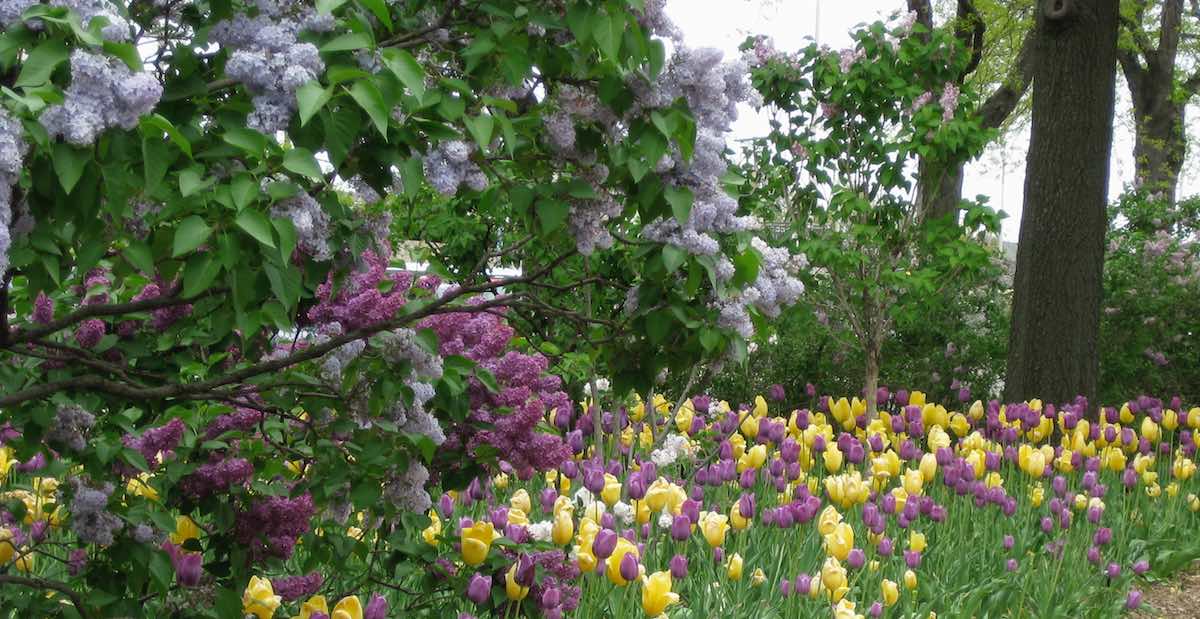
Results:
[1175, 598]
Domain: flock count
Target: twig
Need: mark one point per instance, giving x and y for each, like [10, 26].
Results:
[54, 585]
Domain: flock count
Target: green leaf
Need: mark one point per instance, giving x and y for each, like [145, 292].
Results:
[138, 254]
[380, 9]
[191, 181]
[681, 200]
[673, 257]
[41, 62]
[161, 570]
[301, 161]
[247, 139]
[311, 97]
[406, 69]
[658, 326]
[199, 273]
[481, 129]
[287, 237]
[244, 190]
[69, 163]
[607, 31]
[154, 162]
[256, 225]
[191, 233]
[347, 42]
[368, 97]
[552, 214]
[156, 121]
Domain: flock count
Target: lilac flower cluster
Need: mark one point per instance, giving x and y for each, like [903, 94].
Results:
[526, 392]
[336, 360]
[90, 519]
[401, 346]
[71, 424]
[311, 224]
[117, 29]
[449, 165]
[359, 302]
[949, 101]
[217, 476]
[156, 442]
[292, 588]
[161, 319]
[271, 527]
[406, 490]
[270, 61]
[11, 11]
[103, 93]
[12, 154]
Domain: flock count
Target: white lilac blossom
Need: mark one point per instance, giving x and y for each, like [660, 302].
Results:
[949, 101]
[117, 29]
[775, 286]
[12, 154]
[588, 218]
[407, 490]
[90, 519]
[311, 223]
[103, 93]
[269, 60]
[673, 449]
[449, 165]
[71, 424]
[401, 346]
[541, 531]
[624, 512]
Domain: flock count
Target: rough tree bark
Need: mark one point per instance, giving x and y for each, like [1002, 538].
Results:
[1052, 352]
[1160, 142]
[940, 186]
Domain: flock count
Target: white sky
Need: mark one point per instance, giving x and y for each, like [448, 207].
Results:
[998, 174]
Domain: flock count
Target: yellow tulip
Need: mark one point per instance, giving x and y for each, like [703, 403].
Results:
[683, 418]
[259, 598]
[500, 481]
[890, 592]
[916, 398]
[476, 540]
[828, 520]
[840, 541]
[1150, 430]
[735, 517]
[910, 579]
[758, 577]
[916, 541]
[756, 456]
[7, 461]
[7, 549]
[845, 609]
[1184, 468]
[833, 579]
[1126, 414]
[563, 504]
[658, 494]
[1193, 418]
[959, 424]
[749, 427]
[833, 458]
[520, 500]
[24, 561]
[516, 516]
[1172, 489]
[434, 530]
[1170, 420]
[657, 594]
[976, 411]
[885, 465]
[185, 529]
[937, 439]
[913, 481]
[514, 591]
[315, 604]
[1037, 494]
[140, 486]
[624, 547]
[611, 493]
[563, 529]
[1193, 502]
[349, 607]
[733, 566]
[928, 467]
[714, 526]
[901, 498]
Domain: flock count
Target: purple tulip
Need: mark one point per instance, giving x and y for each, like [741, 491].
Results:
[1134, 600]
[604, 544]
[1103, 536]
[1141, 567]
[912, 558]
[1047, 525]
[1093, 555]
[1059, 485]
[785, 587]
[803, 584]
[775, 392]
[607, 520]
[885, 547]
[679, 567]
[525, 571]
[1010, 565]
[876, 610]
[629, 567]
[856, 559]
[1009, 542]
[718, 554]
[377, 608]
[479, 588]
[1113, 570]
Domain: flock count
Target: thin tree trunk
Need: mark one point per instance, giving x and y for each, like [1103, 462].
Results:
[1159, 148]
[1052, 351]
[873, 355]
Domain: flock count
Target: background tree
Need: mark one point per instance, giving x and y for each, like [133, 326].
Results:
[835, 169]
[1052, 351]
[1156, 41]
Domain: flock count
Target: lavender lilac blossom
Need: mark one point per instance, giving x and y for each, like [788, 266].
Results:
[103, 93]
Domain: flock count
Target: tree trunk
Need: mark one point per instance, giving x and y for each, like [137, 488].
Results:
[1052, 351]
[1160, 142]
[873, 354]
[1159, 147]
[939, 188]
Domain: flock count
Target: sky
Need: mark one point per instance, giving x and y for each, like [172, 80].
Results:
[998, 174]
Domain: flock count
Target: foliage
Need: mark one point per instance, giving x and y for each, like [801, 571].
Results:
[200, 331]
[837, 168]
[1151, 311]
